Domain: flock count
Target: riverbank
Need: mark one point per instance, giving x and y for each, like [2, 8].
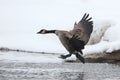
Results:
[89, 58]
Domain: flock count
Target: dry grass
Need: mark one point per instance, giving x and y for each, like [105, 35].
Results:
[103, 57]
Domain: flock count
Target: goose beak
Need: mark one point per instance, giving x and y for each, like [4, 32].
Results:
[38, 33]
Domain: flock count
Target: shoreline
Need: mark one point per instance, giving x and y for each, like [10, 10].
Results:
[89, 58]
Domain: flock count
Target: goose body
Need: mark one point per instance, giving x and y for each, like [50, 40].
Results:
[74, 40]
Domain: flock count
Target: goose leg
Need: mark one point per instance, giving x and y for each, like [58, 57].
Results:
[80, 57]
[65, 56]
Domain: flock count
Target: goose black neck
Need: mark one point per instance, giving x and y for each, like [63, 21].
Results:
[50, 31]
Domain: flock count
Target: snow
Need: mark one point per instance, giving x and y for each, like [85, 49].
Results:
[112, 34]
[29, 57]
[98, 31]
[109, 42]
[20, 20]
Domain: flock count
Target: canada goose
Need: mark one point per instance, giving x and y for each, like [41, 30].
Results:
[74, 40]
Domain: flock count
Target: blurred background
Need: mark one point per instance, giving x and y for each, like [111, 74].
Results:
[20, 20]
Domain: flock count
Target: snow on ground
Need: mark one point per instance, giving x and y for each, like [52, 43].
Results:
[29, 57]
[109, 42]
[99, 30]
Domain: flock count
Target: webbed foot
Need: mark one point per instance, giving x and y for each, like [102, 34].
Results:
[65, 56]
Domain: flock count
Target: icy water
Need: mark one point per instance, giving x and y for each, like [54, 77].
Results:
[59, 71]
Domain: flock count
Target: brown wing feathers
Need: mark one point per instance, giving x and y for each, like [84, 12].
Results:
[86, 22]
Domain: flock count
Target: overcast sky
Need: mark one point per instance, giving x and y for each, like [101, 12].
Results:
[26, 17]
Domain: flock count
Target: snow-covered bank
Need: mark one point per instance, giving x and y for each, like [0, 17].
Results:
[109, 42]
[22, 56]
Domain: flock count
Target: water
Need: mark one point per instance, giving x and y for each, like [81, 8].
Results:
[59, 71]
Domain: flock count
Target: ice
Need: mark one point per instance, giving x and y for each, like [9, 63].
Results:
[29, 57]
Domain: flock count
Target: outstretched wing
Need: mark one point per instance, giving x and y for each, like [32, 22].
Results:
[81, 32]
[86, 23]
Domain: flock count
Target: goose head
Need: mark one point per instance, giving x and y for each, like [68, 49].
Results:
[42, 31]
